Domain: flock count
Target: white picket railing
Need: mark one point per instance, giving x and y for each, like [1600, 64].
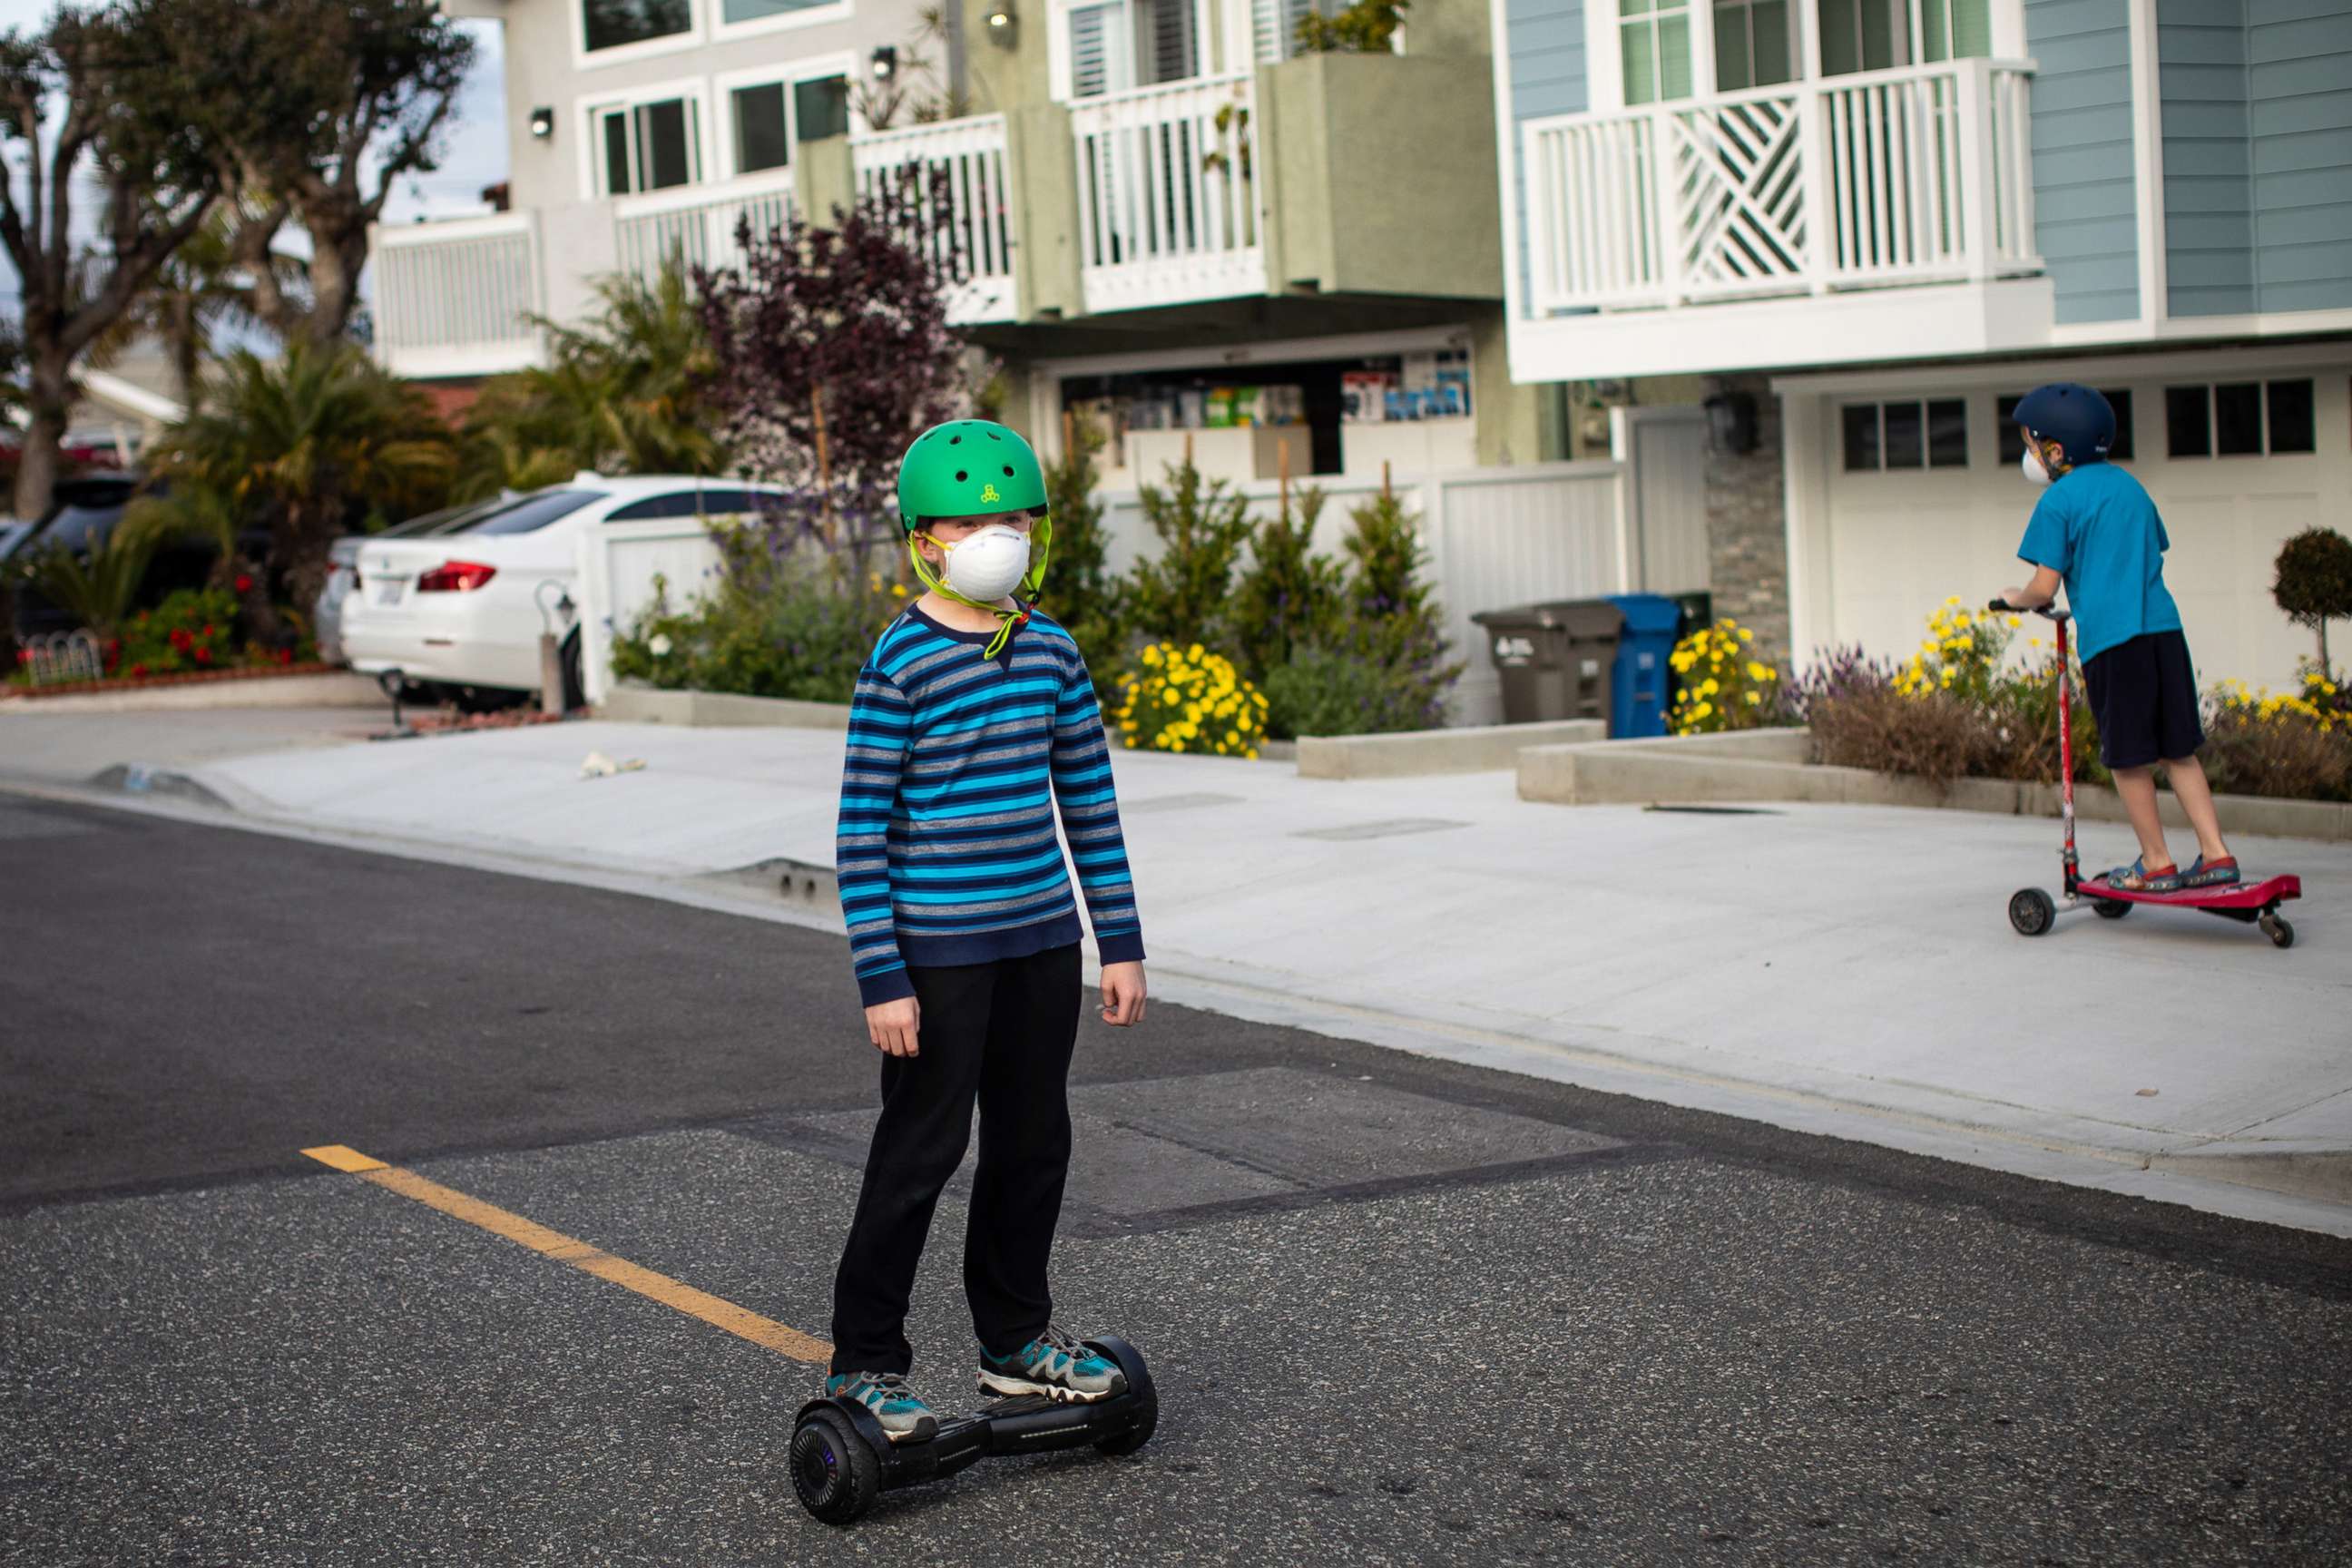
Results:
[456, 298]
[953, 173]
[1168, 194]
[698, 223]
[1915, 176]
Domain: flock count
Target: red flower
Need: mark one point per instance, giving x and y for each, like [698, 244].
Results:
[285, 656]
[208, 631]
[138, 669]
[180, 639]
[203, 656]
[244, 584]
[23, 656]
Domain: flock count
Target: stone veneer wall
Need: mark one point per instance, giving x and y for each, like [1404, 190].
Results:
[1747, 554]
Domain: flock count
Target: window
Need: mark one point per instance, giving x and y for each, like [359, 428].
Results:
[2239, 419]
[2013, 445]
[647, 146]
[1274, 26]
[1930, 435]
[1132, 43]
[761, 140]
[732, 12]
[1653, 45]
[820, 108]
[534, 513]
[1751, 44]
[615, 24]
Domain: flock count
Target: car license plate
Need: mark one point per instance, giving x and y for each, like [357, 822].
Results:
[388, 592]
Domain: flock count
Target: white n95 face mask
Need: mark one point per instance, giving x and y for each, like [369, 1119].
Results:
[988, 565]
[2030, 467]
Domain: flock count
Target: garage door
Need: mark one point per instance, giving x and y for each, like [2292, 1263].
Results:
[1922, 507]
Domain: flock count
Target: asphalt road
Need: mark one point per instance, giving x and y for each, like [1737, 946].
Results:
[1400, 1310]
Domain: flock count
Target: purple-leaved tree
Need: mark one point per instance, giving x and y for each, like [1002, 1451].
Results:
[833, 352]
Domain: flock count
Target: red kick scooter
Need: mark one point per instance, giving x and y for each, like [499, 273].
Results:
[2033, 912]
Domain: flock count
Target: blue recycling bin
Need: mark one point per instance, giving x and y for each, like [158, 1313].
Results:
[1642, 683]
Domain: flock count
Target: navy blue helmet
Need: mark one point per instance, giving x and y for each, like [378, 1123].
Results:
[2074, 416]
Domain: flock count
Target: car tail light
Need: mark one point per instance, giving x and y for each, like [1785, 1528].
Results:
[455, 577]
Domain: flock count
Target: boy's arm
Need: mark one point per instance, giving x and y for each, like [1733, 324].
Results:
[1090, 807]
[2042, 590]
[881, 729]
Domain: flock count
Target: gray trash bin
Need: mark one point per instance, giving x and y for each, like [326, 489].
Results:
[1555, 660]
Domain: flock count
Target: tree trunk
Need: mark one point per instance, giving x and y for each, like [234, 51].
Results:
[336, 262]
[49, 400]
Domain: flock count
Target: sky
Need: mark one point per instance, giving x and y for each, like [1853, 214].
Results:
[475, 149]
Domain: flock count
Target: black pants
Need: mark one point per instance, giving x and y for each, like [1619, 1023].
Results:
[999, 1033]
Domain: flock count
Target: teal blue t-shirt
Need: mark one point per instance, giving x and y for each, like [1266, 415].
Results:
[2096, 528]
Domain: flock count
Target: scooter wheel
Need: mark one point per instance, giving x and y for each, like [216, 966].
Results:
[2031, 912]
[834, 1474]
[2275, 927]
[2113, 908]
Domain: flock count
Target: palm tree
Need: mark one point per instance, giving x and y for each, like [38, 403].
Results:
[309, 446]
[625, 394]
[200, 290]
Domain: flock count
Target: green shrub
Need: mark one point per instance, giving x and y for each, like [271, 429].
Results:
[192, 629]
[2315, 582]
[784, 627]
[1290, 597]
[1080, 591]
[1338, 690]
[1182, 597]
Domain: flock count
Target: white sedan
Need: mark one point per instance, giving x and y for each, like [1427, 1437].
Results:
[465, 610]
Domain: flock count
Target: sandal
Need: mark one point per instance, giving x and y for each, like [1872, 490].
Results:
[2136, 878]
[2204, 873]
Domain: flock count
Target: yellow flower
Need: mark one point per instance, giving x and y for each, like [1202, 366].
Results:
[1754, 697]
[1747, 635]
[1710, 687]
[1758, 671]
[1195, 653]
[1701, 711]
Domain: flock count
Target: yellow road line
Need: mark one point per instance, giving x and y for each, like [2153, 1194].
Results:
[740, 1321]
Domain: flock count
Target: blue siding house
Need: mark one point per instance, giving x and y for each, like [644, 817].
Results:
[1884, 220]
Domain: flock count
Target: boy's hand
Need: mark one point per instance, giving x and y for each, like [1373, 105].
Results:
[892, 1027]
[1122, 994]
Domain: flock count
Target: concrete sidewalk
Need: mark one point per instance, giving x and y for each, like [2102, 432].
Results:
[1834, 970]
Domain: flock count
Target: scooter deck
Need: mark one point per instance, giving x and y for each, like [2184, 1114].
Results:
[2257, 896]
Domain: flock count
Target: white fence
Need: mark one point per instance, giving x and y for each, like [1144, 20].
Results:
[1495, 537]
[1168, 194]
[698, 223]
[954, 174]
[1916, 175]
[456, 298]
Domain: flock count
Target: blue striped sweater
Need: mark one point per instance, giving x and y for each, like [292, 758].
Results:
[946, 852]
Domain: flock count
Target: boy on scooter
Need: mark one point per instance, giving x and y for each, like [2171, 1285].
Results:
[973, 719]
[2096, 529]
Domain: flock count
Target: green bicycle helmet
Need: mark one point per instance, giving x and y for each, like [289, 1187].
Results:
[968, 467]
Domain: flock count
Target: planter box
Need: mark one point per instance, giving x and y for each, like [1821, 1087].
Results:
[289, 686]
[1768, 766]
[1493, 748]
[633, 704]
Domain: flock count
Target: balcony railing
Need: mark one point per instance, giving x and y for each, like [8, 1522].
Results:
[456, 298]
[1168, 194]
[698, 223]
[953, 173]
[1887, 178]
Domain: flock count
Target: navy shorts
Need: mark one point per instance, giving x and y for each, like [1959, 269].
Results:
[2144, 694]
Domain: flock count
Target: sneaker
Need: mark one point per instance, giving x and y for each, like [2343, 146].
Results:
[900, 1410]
[1055, 1365]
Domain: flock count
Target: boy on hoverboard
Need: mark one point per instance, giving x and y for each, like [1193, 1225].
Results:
[973, 720]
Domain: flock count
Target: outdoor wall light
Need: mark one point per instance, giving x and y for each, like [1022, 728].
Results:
[1732, 419]
[886, 62]
[1001, 19]
[542, 123]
